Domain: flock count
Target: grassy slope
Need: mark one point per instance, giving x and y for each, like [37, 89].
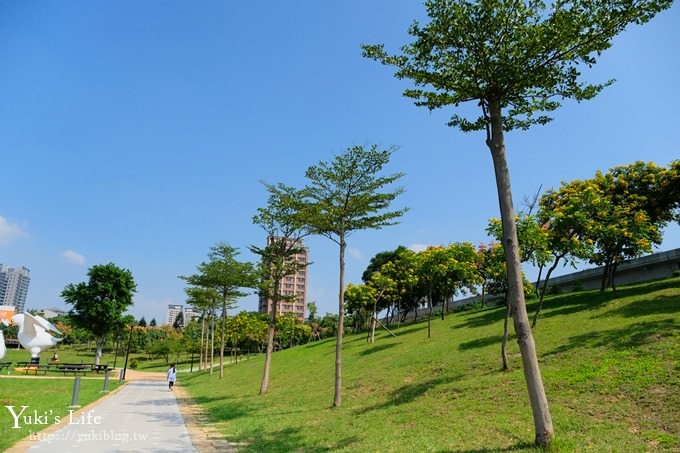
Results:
[611, 367]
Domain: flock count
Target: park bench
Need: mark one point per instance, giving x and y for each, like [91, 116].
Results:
[4, 365]
[74, 368]
[99, 368]
[31, 368]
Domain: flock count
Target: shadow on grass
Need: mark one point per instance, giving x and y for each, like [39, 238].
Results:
[408, 328]
[408, 393]
[484, 317]
[313, 344]
[224, 411]
[517, 447]
[588, 300]
[289, 439]
[481, 342]
[377, 348]
[661, 304]
[622, 338]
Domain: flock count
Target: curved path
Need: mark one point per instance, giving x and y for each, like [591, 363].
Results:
[142, 416]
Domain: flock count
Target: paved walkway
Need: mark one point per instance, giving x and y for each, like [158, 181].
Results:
[143, 416]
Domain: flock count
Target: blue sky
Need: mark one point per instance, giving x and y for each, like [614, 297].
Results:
[136, 133]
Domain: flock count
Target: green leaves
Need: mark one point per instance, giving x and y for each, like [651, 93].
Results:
[345, 194]
[522, 53]
[98, 305]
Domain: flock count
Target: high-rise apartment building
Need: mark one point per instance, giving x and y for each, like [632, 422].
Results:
[188, 314]
[14, 286]
[292, 285]
[173, 311]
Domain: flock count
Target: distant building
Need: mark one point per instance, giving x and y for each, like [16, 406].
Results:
[292, 285]
[188, 314]
[50, 313]
[173, 311]
[14, 286]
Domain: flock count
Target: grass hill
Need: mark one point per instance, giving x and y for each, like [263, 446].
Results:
[610, 363]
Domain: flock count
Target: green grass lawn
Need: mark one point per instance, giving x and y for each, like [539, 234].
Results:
[48, 397]
[610, 363]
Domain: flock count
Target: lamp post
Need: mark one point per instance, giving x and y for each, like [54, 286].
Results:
[127, 354]
[115, 356]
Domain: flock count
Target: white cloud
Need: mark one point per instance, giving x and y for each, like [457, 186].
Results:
[73, 257]
[417, 247]
[355, 253]
[10, 232]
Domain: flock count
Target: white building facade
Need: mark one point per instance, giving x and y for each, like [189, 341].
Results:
[14, 286]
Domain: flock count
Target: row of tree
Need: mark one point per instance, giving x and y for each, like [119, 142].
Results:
[343, 195]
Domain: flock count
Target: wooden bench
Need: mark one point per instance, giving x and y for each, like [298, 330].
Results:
[99, 368]
[74, 368]
[32, 368]
[4, 365]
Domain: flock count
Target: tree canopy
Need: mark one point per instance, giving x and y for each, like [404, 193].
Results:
[98, 305]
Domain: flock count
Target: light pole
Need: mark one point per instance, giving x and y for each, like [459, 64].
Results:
[115, 356]
[127, 354]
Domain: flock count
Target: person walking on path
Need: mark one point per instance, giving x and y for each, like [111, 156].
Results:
[172, 376]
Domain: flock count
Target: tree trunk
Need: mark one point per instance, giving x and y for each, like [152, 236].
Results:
[429, 317]
[504, 342]
[337, 397]
[445, 302]
[264, 385]
[212, 342]
[532, 373]
[483, 293]
[223, 335]
[538, 281]
[611, 277]
[201, 362]
[544, 290]
[373, 321]
[99, 341]
[605, 276]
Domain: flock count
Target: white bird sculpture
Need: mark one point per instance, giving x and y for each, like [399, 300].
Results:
[34, 333]
[3, 349]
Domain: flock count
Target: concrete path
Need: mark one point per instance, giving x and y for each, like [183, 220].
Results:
[143, 416]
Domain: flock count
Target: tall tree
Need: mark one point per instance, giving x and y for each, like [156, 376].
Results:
[98, 305]
[515, 59]
[206, 301]
[343, 196]
[228, 276]
[285, 230]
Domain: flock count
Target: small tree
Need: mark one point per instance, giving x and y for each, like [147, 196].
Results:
[284, 227]
[178, 324]
[153, 322]
[343, 196]
[313, 310]
[226, 275]
[98, 305]
[515, 59]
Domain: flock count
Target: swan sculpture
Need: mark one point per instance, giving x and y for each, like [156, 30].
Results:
[3, 349]
[34, 334]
